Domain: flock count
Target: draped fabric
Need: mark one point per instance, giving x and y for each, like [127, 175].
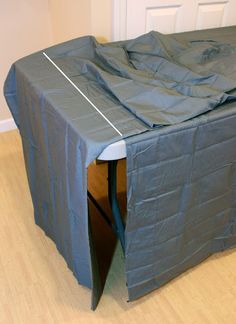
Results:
[172, 100]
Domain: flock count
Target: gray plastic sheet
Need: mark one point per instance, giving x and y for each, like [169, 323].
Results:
[187, 210]
[185, 177]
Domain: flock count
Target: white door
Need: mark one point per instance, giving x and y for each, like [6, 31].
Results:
[166, 16]
[135, 17]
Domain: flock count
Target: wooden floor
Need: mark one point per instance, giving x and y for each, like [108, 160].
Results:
[37, 287]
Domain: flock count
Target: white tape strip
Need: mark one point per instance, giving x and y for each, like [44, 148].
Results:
[72, 83]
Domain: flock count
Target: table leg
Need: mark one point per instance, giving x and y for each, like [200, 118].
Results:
[112, 195]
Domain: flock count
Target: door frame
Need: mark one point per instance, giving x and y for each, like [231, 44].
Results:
[119, 20]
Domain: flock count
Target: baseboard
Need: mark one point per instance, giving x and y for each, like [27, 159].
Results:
[7, 125]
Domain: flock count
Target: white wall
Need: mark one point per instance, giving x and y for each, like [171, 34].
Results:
[25, 27]
[74, 18]
[70, 18]
[101, 19]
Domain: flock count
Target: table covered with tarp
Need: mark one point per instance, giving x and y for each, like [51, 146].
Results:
[172, 99]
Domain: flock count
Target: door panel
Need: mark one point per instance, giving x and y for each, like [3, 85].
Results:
[163, 19]
[169, 16]
[165, 16]
[212, 14]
